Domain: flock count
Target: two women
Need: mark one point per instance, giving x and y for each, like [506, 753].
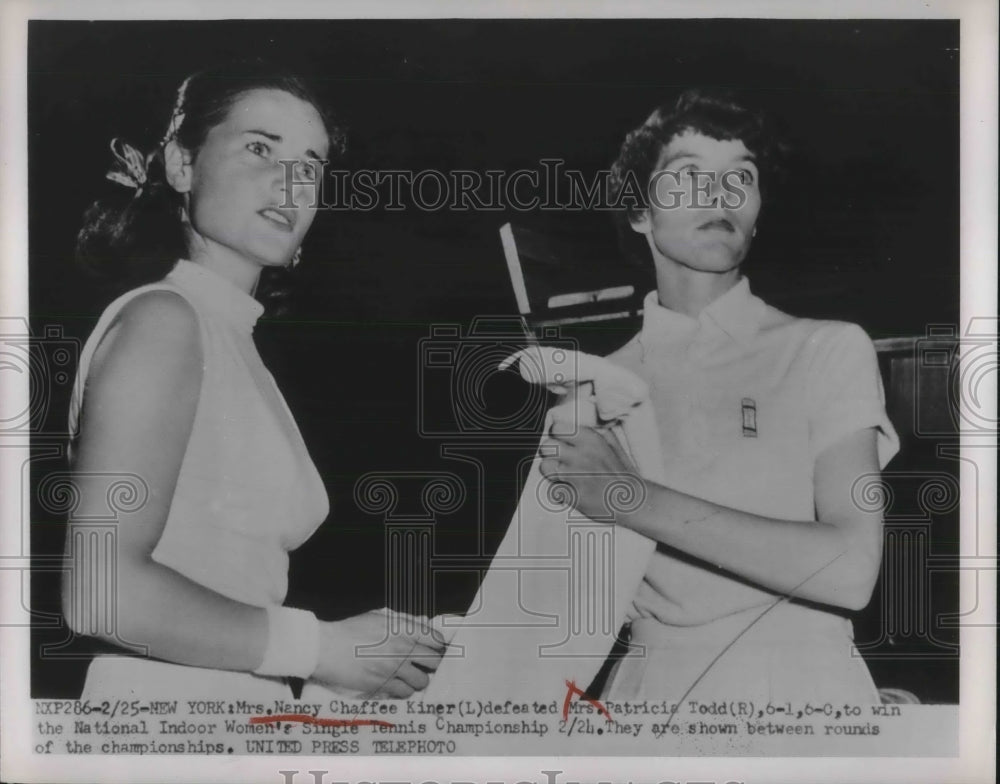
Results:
[771, 427]
[768, 425]
[172, 393]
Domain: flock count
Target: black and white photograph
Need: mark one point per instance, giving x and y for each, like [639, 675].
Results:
[612, 398]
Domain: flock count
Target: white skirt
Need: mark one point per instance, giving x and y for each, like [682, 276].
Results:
[789, 654]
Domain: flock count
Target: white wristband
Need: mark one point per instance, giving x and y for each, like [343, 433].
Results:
[292, 643]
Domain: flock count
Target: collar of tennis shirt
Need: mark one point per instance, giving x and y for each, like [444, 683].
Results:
[736, 313]
[219, 294]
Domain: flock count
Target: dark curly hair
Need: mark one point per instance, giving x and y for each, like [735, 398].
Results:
[718, 115]
[135, 237]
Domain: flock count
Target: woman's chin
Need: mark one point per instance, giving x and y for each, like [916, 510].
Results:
[715, 263]
[274, 260]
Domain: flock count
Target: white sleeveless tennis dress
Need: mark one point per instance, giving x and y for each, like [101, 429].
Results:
[247, 492]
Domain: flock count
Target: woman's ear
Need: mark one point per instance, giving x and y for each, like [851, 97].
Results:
[177, 165]
[639, 221]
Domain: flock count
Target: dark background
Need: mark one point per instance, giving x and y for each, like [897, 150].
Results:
[865, 228]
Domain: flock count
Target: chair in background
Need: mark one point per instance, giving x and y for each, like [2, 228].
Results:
[571, 290]
[908, 634]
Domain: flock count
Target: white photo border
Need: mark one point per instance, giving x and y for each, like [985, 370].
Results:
[978, 60]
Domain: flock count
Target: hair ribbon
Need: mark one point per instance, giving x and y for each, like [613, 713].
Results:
[128, 167]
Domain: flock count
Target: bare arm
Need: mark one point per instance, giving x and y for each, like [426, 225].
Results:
[141, 397]
[834, 559]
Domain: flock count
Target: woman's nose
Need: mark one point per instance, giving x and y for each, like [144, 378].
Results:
[715, 189]
[293, 180]
[282, 176]
[706, 190]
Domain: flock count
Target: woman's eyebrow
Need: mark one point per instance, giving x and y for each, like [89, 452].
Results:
[266, 134]
[677, 156]
[680, 154]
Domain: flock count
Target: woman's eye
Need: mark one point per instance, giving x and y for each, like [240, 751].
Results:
[746, 177]
[259, 148]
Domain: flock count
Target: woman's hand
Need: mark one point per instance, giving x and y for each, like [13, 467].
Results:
[362, 654]
[602, 478]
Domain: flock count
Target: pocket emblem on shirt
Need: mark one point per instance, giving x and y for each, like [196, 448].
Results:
[749, 408]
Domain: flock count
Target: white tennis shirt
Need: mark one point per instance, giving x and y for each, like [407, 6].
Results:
[746, 398]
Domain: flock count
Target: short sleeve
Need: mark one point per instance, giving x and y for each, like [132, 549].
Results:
[845, 392]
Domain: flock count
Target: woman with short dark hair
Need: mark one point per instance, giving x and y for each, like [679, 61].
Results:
[773, 431]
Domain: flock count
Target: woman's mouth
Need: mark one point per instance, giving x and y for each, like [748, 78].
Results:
[720, 224]
[283, 219]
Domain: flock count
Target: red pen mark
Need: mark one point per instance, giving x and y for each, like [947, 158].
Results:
[571, 689]
[305, 718]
